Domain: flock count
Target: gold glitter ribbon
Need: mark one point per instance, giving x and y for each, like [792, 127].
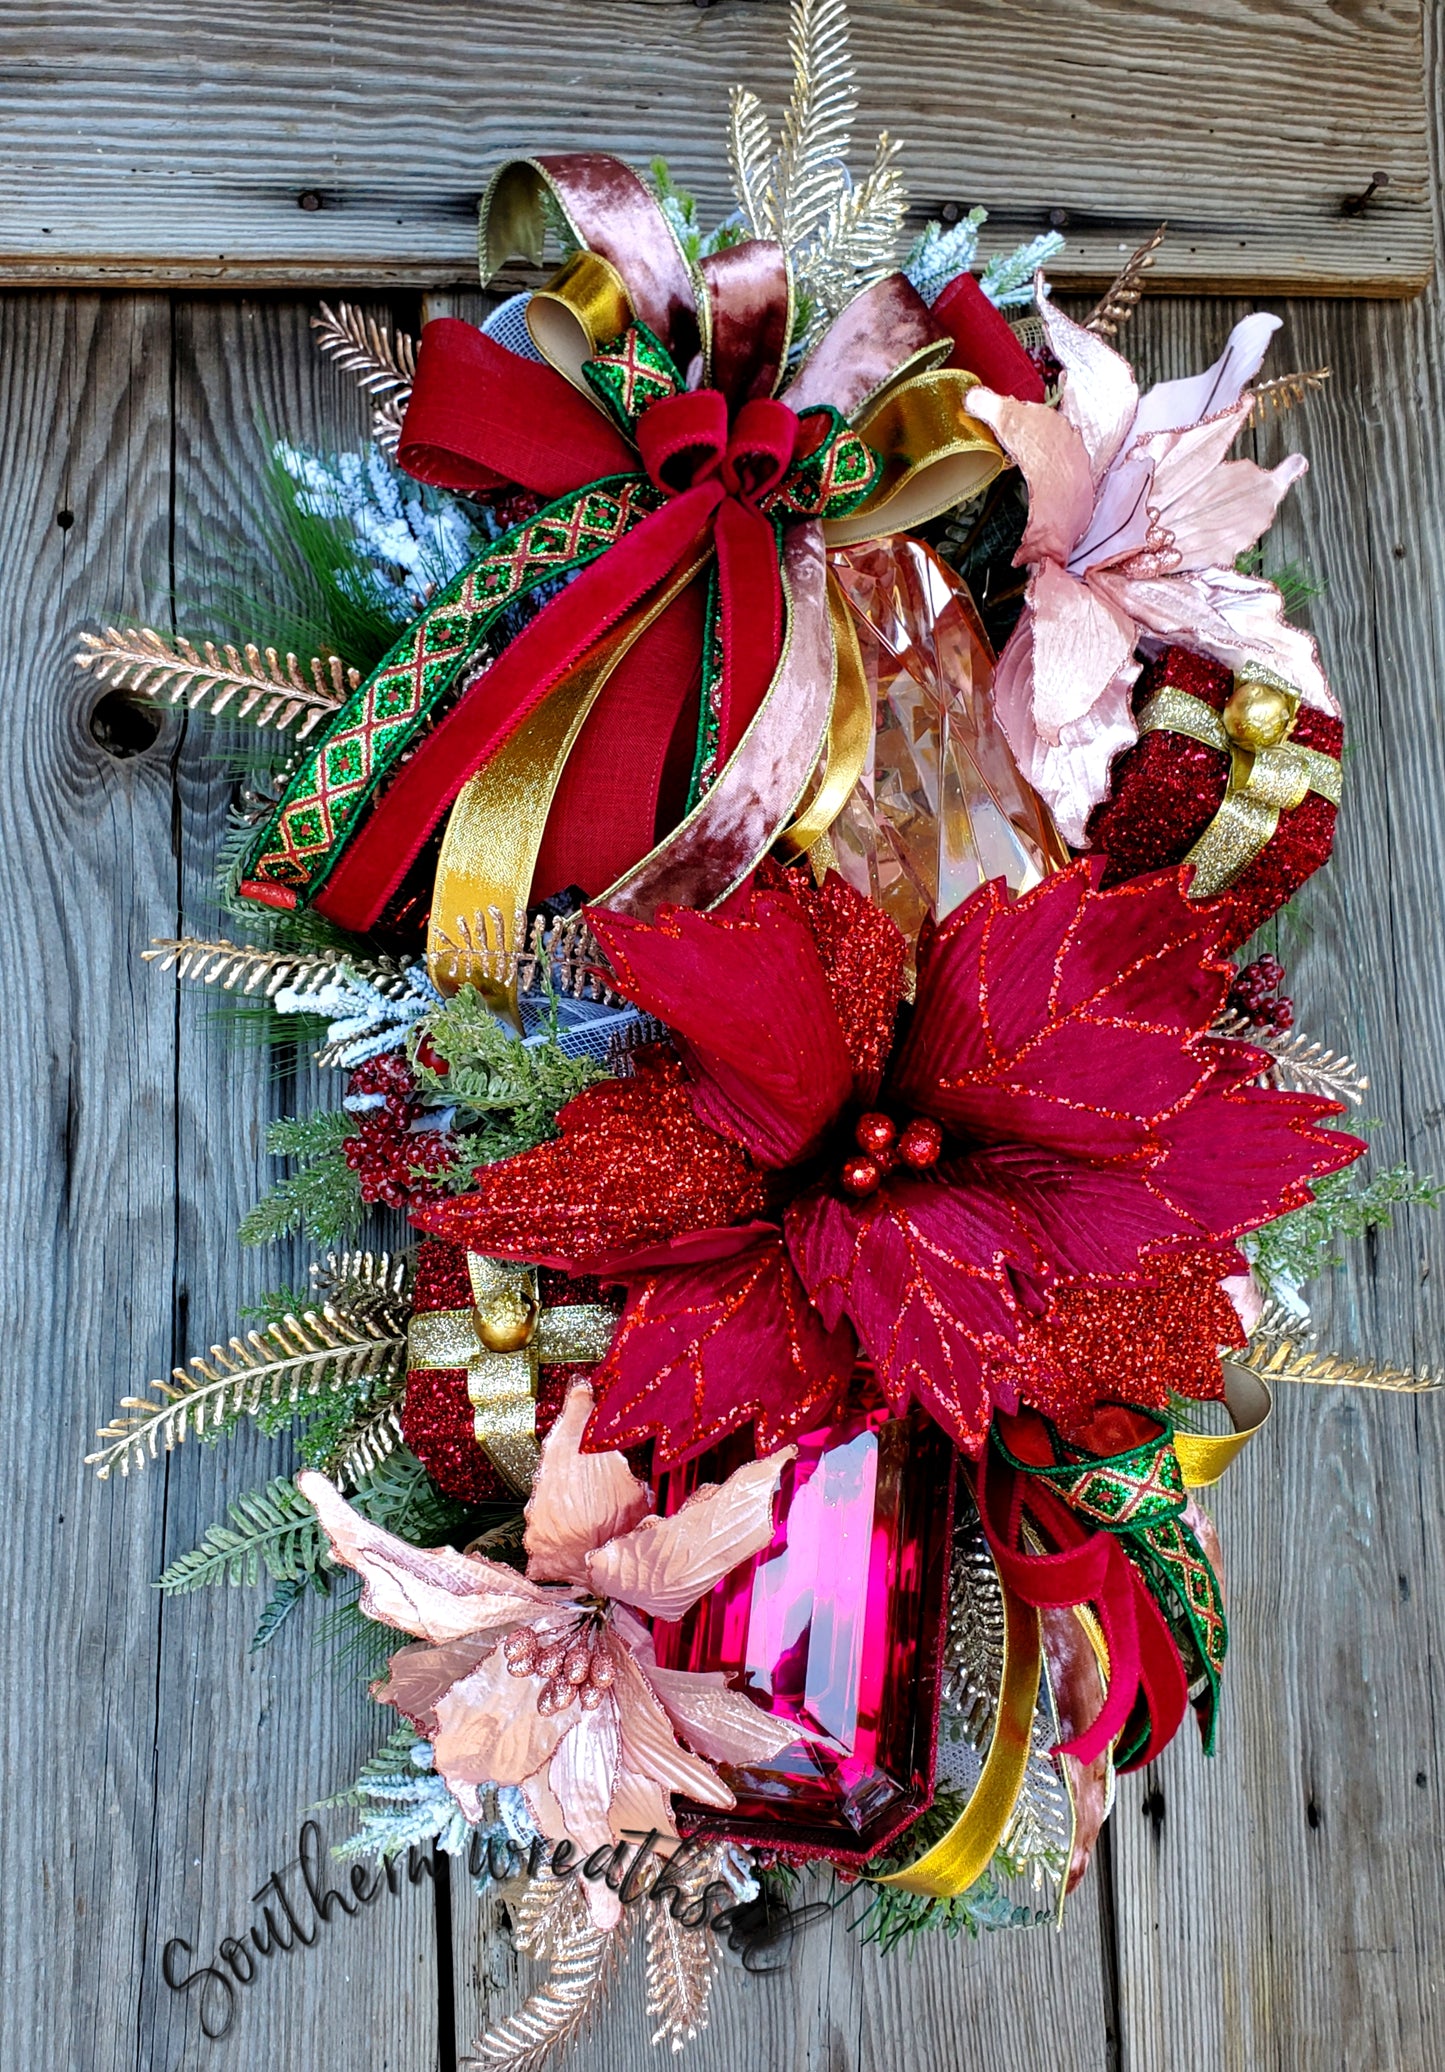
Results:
[850, 730]
[1204, 1456]
[1263, 783]
[494, 833]
[501, 1341]
[966, 1851]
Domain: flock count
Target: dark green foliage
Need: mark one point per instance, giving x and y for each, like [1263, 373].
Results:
[1305, 1243]
[513, 1090]
[323, 1195]
[272, 1528]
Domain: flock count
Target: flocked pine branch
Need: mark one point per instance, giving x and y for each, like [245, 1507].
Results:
[300, 1356]
[254, 968]
[1284, 1359]
[214, 678]
[1121, 298]
[1272, 398]
[383, 361]
[1298, 1063]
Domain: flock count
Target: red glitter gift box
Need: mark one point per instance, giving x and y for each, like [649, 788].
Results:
[438, 1420]
[1167, 789]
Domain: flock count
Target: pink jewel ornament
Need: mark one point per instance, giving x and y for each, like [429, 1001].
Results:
[838, 1625]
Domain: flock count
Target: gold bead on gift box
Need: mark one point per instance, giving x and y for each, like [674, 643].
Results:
[1258, 714]
[507, 1322]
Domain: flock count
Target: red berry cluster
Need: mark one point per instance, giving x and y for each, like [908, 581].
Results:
[385, 1152]
[881, 1147]
[1255, 994]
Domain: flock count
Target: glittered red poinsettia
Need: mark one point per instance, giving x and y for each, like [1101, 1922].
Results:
[1027, 1186]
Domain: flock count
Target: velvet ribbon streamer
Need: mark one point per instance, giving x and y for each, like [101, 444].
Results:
[659, 384]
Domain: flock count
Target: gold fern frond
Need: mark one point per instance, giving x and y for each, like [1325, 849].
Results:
[1121, 298]
[817, 122]
[1272, 398]
[681, 1967]
[1282, 1359]
[366, 1283]
[858, 241]
[750, 159]
[300, 1356]
[270, 693]
[583, 1959]
[386, 422]
[478, 951]
[369, 1443]
[249, 968]
[1298, 1063]
[383, 361]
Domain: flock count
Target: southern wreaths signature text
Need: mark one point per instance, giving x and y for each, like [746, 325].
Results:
[297, 1902]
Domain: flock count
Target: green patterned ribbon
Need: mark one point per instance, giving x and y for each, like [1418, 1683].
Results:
[1140, 1497]
[431, 664]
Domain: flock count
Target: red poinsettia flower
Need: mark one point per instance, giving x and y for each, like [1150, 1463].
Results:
[1048, 1161]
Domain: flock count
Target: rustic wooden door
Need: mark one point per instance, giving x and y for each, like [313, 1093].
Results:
[1280, 1906]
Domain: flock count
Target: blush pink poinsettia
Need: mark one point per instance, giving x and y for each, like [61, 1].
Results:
[548, 1681]
[1136, 518]
[1059, 1136]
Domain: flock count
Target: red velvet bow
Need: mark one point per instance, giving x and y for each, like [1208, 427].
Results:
[1084, 1567]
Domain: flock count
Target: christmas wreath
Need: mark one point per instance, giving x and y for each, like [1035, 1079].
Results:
[796, 740]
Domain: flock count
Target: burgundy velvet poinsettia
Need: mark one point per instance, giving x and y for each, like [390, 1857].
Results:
[974, 1193]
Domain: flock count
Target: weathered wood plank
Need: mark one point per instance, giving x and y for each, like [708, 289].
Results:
[250, 1742]
[1280, 1906]
[173, 143]
[85, 1182]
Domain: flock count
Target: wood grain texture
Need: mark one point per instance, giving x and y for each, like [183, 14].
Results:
[1276, 1908]
[171, 143]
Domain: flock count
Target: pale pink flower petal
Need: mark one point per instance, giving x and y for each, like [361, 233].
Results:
[489, 1728]
[1071, 774]
[1214, 509]
[1099, 395]
[417, 1678]
[665, 1564]
[725, 1726]
[1054, 464]
[1170, 404]
[1237, 619]
[433, 1592]
[583, 1773]
[1247, 1296]
[578, 1499]
[638, 1806]
[1082, 642]
[650, 1747]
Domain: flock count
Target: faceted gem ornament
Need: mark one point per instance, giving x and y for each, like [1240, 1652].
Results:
[837, 1625]
[940, 807]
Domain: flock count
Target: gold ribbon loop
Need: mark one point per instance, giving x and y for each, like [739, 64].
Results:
[850, 731]
[966, 1851]
[1204, 1456]
[934, 456]
[494, 834]
[583, 307]
[1266, 776]
[501, 1341]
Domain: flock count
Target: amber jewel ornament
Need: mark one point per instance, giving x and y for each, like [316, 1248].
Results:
[940, 807]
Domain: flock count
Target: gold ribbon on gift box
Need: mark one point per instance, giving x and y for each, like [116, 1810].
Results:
[1268, 773]
[501, 1341]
